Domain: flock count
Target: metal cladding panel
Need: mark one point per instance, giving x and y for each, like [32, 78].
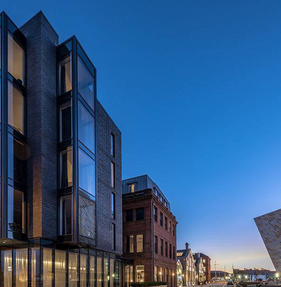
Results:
[269, 226]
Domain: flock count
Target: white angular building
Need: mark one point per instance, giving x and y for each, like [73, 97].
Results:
[269, 226]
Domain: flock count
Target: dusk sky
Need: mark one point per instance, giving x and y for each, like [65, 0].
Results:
[195, 88]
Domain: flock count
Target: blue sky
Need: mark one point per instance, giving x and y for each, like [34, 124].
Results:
[195, 88]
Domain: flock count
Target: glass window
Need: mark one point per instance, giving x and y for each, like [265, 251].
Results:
[65, 75]
[166, 249]
[72, 269]
[113, 174]
[131, 187]
[16, 157]
[155, 213]
[66, 168]
[161, 246]
[86, 127]
[99, 271]
[160, 274]
[113, 236]
[170, 250]
[87, 216]
[161, 218]
[92, 271]
[35, 267]
[166, 275]
[60, 270]
[155, 274]
[129, 215]
[15, 108]
[106, 272]
[140, 273]
[112, 145]
[86, 173]
[47, 267]
[166, 223]
[156, 244]
[111, 280]
[113, 205]
[139, 214]
[16, 60]
[7, 267]
[117, 273]
[130, 243]
[170, 228]
[66, 215]
[83, 270]
[65, 121]
[21, 258]
[139, 243]
[86, 84]
[16, 210]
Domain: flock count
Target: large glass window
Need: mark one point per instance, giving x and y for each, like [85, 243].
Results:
[117, 273]
[35, 267]
[66, 215]
[86, 127]
[60, 270]
[140, 273]
[87, 216]
[65, 75]
[72, 269]
[83, 270]
[113, 205]
[86, 84]
[155, 213]
[16, 210]
[16, 157]
[106, 272]
[130, 243]
[16, 60]
[129, 215]
[99, 271]
[111, 280]
[47, 267]
[92, 271]
[139, 239]
[21, 258]
[86, 172]
[66, 168]
[155, 244]
[7, 267]
[65, 121]
[139, 214]
[15, 108]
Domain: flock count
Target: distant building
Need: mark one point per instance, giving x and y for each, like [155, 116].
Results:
[254, 274]
[149, 231]
[185, 256]
[220, 274]
[179, 273]
[200, 274]
[269, 226]
[207, 266]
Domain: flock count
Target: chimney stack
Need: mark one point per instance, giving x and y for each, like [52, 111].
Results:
[186, 246]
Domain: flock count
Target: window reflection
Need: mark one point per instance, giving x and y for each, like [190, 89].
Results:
[15, 108]
[86, 84]
[16, 210]
[21, 259]
[66, 168]
[65, 75]
[65, 121]
[86, 172]
[92, 271]
[83, 270]
[16, 60]
[7, 263]
[86, 127]
[60, 270]
[72, 269]
[66, 215]
[47, 267]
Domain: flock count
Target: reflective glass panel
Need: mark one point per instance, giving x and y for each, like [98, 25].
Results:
[16, 210]
[99, 271]
[86, 84]
[83, 270]
[140, 273]
[21, 257]
[86, 127]
[16, 159]
[35, 267]
[16, 60]
[72, 270]
[65, 121]
[15, 108]
[66, 168]
[60, 270]
[106, 271]
[87, 216]
[66, 215]
[139, 243]
[65, 75]
[7, 267]
[111, 280]
[47, 267]
[92, 271]
[86, 172]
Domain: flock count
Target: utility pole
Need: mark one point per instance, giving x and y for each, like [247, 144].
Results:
[216, 268]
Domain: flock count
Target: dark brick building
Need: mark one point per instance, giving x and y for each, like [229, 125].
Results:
[149, 231]
[61, 189]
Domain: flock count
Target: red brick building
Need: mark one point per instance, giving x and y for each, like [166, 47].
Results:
[149, 231]
[207, 266]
